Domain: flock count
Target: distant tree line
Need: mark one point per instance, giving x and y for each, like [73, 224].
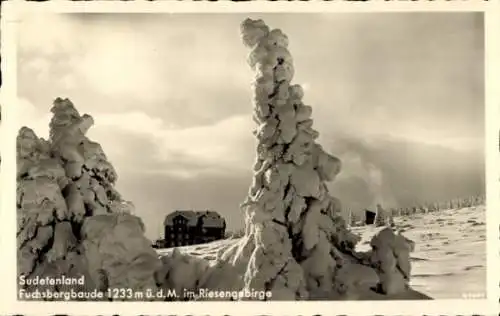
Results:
[386, 217]
[357, 219]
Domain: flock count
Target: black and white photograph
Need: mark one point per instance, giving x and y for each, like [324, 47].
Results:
[274, 156]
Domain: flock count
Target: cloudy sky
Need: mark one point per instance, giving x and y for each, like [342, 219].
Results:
[397, 96]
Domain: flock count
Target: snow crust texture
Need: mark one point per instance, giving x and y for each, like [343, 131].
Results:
[301, 247]
[71, 220]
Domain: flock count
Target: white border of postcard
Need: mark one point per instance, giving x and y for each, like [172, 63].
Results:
[8, 299]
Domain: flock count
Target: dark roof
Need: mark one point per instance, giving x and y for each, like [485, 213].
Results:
[210, 218]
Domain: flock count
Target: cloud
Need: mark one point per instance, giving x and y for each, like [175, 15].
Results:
[27, 114]
[225, 143]
[224, 146]
[122, 64]
[58, 34]
[398, 94]
[197, 75]
[126, 66]
[401, 172]
[118, 62]
[404, 173]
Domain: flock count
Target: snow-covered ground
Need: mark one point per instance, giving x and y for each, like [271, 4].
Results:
[206, 251]
[449, 260]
